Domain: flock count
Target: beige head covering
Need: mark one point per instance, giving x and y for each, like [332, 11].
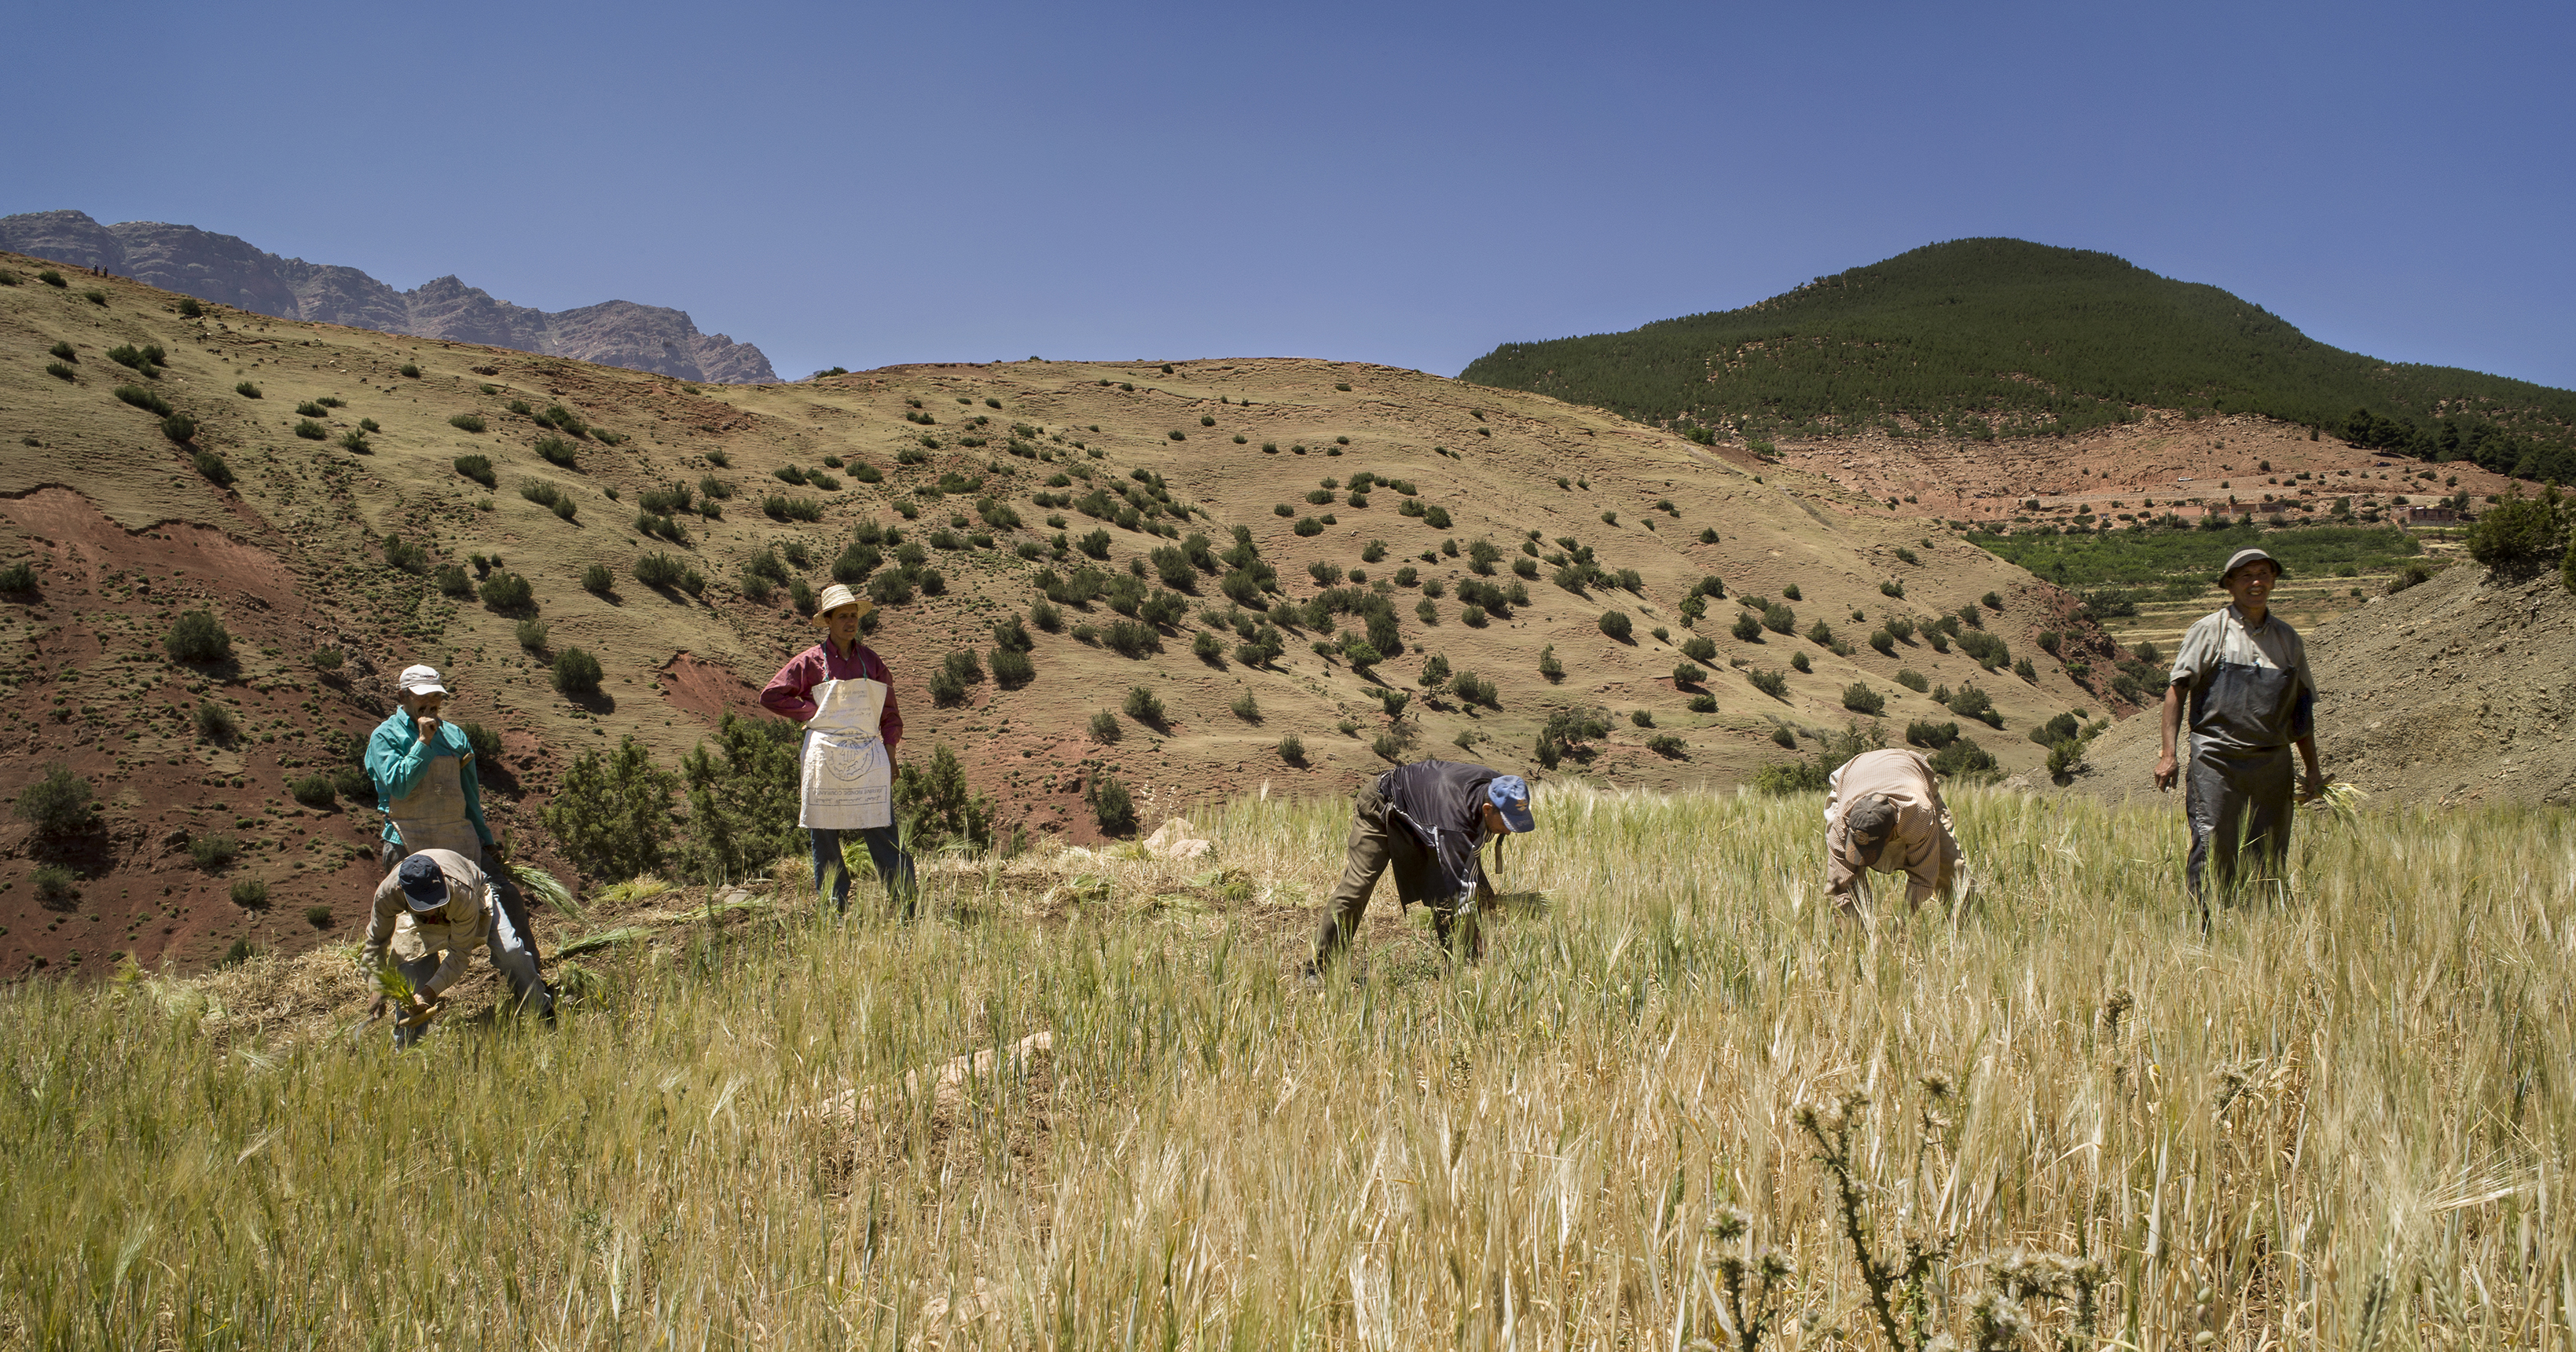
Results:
[836, 596]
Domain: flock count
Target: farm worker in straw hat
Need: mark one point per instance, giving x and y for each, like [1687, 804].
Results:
[1883, 811]
[432, 912]
[1429, 821]
[843, 694]
[2244, 674]
[430, 789]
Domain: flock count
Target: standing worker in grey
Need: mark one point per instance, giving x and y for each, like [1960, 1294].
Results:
[2244, 675]
[430, 791]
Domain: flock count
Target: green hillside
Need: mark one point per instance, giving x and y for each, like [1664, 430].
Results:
[1984, 338]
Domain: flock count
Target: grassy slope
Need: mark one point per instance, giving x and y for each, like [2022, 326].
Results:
[1959, 337]
[127, 535]
[2330, 1121]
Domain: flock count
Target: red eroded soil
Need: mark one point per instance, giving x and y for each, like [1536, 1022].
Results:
[706, 691]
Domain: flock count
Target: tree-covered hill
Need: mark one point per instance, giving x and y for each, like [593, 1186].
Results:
[1982, 338]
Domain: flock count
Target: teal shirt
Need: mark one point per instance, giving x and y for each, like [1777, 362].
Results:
[397, 758]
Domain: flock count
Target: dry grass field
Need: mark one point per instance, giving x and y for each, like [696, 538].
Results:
[2342, 1119]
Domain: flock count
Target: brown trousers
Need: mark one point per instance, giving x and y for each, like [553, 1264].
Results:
[1364, 860]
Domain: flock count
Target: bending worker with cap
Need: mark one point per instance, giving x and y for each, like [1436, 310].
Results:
[1883, 811]
[432, 911]
[843, 694]
[431, 791]
[2244, 674]
[1429, 821]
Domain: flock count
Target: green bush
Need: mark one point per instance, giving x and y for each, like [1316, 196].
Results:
[197, 636]
[532, 635]
[506, 592]
[404, 555]
[57, 888]
[2519, 534]
[1913, 680]
[18, 577]
[1769, 681]
[576, 673]
[214, 851]
[478, 468]
[1615, 623]
[1012, 668]
[1688, 673]
[557, 452]
[51, 278]
[149, 401]
[1142, 705]
[58, 804]
[311, 430]
[742, 808]
[251, 894]
[310, 409]
[452, 581]
[60, 372]
[355, 443]
[1860, 699]
[1970, 702]
[1963, 757]
[658, 570]
[1104, 727]
[1111, 805]
[598, 581]
[611, 815]
[1292, 749]
[312, 790]
[214, 722]
[247, 390]
[217, 471]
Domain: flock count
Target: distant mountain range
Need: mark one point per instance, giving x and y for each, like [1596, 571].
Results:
[231, 271]
[1977, 339]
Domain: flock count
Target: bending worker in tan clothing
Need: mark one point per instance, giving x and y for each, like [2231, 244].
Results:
[1883, 811]
[431, 912]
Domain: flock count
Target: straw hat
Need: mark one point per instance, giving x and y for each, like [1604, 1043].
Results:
[836, 596]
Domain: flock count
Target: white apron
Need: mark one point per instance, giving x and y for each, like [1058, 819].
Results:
[432, 816]
[846, 780]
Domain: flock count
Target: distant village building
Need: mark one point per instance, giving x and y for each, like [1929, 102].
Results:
[2433, 516]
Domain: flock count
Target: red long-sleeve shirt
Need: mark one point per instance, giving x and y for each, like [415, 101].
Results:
[790, 692]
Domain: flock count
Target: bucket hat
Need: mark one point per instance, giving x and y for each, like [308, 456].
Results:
[2243, 557]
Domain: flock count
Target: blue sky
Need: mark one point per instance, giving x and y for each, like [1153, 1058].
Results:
[1410, 184]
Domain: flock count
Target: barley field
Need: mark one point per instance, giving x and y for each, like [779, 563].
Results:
[1662, 1113]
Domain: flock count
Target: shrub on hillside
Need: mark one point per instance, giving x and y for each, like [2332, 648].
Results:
[742, 808]
[355, 443]
[18, 578]
[452, 581]
[612, 813]
[57, 889]
[217, 470]
[145, 399]
[2519, 534]
[58, 804]
[506, 592]
[1111, 805]
[1012, 668]
[659, 570]
[214, 722]
[1769, 681]
[576, 672]
[214, 851]
[312, 790]
[1616, 624]
[197, 636]
[1860, 699]
[478, 468]
[532, 635]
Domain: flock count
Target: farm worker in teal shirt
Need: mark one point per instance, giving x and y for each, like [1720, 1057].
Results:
[427, 787]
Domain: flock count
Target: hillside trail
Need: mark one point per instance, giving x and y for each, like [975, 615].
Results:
[2459, 690]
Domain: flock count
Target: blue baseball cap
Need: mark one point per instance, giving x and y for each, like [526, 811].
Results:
[1510, 796]
[424, 883]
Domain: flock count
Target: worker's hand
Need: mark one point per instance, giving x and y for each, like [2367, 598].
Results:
[428, 725]
[2167, 770]
[2312, 786]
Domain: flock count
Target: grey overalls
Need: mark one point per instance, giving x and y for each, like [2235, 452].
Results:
[2240, 784]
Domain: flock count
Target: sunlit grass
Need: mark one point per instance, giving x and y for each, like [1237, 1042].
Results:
[2347, 1119]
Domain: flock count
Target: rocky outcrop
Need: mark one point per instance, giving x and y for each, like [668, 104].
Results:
[231, 271]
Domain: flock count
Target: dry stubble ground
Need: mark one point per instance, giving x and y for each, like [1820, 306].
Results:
[2343, 1120]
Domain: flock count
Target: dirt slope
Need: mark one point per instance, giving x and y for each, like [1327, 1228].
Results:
[2460, 690]
[125, 534]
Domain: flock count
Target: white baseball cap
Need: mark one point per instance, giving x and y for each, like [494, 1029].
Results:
[419, 681]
